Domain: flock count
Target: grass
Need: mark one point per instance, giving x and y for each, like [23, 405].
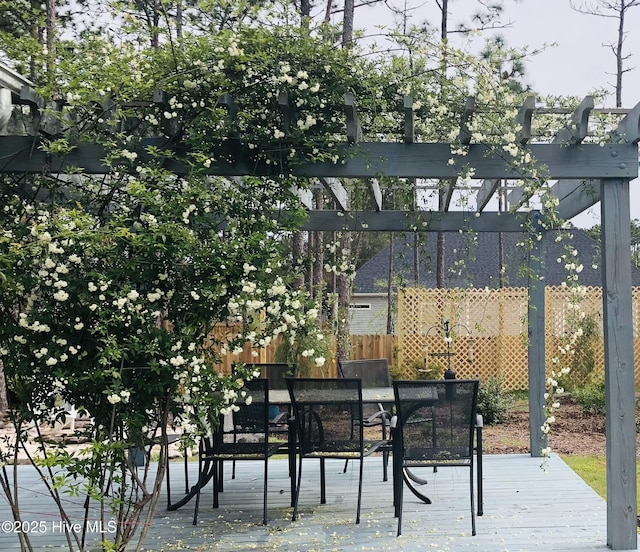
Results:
[592, 469]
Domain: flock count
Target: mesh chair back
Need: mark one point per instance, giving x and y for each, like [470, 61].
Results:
[373, 372]
[436, 420]
[254, 417]
[275, 372]
[323, 408]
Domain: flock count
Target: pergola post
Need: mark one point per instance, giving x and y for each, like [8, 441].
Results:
[536, 347]
[619, 366]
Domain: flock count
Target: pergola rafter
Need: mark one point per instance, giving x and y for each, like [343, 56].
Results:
[586, 172]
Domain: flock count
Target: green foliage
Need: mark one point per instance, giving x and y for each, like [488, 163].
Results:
[591, 398]
[432, 371]
[583, 358]
[493, 401]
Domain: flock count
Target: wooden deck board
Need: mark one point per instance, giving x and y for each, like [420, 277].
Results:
[525, 509]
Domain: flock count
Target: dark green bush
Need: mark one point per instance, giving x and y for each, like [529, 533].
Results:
[493, 401]
[591, 398]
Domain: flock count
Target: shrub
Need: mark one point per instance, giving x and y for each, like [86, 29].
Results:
[493, 401]
[591, 398]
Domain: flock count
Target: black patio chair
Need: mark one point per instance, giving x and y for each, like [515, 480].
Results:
[251, 419]
[434, 426]
[276, 373]
[321, 409]
[373, 373]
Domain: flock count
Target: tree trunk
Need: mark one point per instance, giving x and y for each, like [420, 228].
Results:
[390, 288]
[440, 246]
[347, 23]
[318, 254]
[51, 39]
[4, 401]
[297, 254]
[343, 283]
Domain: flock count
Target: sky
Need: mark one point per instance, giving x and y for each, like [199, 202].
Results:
[578, 63]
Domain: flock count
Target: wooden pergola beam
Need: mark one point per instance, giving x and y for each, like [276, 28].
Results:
[617, 301]
[375, 193]
[524, 119]
[25, 154]
[464, 136]
[337, 191]
[415, 221]
[576, 196]
[409, 121]
[485, 193]
[525, 114]
[571, 134]
[354, 130]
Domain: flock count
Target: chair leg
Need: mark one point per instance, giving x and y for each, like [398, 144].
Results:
[479, 470]
[217, 482]
[168, 476]
[186, 470]
[264, 497]
[398, 498]
[195, 511]
[346, 463]
[297, 491]
[323, 489]
[473, 506]
[360, 489]
[385, 454]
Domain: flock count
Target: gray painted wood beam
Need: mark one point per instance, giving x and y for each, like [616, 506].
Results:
[485, 193]
[354, 131]
[375, 193]
[571, 134]
[24, 154]
[524, 119]
[622, 521]
[13, 81]
[583, 194]
[464, 136]
[337, 191]
[409, 120]
[576, 131]
[415, 221]
[629, 128]
[305, 195]
[536, 347]
[579, 199]
[286, 109]
[448, 193]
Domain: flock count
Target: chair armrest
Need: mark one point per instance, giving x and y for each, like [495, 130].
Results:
[280, 418]
[382, 414]
[393, 422]
[479, 420]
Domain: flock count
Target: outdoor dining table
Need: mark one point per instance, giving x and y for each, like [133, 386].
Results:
[281, 398]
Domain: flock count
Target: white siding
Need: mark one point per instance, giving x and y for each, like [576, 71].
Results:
[368, 314]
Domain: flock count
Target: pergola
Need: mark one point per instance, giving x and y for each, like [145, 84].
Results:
[586, 173]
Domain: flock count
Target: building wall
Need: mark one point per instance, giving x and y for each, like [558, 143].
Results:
[368, 314]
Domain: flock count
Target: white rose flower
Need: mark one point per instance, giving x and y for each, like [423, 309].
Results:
[61, 295]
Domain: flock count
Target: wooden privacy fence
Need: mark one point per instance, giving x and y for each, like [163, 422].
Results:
[488, 336]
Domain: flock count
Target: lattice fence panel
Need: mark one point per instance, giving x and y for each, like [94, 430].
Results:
[493, 319]
[496, 320]
[589, 365]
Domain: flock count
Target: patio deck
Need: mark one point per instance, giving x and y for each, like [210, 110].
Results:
[525, 508]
